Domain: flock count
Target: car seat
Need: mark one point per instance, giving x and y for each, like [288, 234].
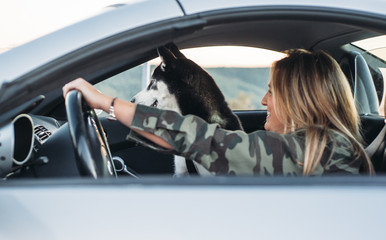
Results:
[358, 74]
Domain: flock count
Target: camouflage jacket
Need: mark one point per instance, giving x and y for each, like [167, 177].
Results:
[236, 152]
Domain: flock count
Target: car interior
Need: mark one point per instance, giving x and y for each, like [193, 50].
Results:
[276, 31]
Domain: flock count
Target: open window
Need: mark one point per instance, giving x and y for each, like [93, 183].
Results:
[242, 74]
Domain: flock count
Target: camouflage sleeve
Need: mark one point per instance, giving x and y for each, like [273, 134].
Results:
[221, 151]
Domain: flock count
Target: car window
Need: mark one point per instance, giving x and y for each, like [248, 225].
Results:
[374, 51]
[242, 74]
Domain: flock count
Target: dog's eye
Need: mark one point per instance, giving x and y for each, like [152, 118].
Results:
[155, 103]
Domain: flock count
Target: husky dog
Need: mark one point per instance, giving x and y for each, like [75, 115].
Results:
[181, 85]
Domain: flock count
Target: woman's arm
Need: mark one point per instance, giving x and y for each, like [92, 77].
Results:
[124, 111]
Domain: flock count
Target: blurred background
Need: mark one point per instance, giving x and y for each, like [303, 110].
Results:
[24, 20]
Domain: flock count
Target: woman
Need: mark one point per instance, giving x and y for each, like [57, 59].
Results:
[312, 125]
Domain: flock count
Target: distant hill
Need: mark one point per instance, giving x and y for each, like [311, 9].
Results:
[242, 82]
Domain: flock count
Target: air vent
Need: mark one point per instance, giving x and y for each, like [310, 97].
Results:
[42, 133]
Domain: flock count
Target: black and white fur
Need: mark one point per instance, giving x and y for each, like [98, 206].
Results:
[181, 85]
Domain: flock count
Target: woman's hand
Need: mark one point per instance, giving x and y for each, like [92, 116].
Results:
[124, 110]
[93, 97]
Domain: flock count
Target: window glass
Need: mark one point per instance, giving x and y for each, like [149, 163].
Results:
[242, 74]
[125, 84]
[375, 45]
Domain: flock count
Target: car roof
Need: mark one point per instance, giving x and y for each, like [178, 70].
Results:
[373, 6]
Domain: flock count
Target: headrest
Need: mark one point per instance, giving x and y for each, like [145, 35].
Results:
[361, 81]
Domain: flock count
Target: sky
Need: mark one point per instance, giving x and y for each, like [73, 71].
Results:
[25, 20]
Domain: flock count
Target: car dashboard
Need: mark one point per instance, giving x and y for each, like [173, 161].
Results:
[21, 141]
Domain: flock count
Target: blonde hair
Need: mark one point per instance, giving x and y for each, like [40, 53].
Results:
[310, 91]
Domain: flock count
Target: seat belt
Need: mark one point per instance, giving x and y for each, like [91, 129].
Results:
[378, 148]
[374, 146]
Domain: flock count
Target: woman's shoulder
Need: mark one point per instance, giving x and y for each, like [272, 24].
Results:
[337, 142]
[339, 138]
[333, 135]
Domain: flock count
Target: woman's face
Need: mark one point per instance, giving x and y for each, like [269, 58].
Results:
[272, 122]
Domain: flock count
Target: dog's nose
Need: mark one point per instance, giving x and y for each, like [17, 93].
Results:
[132, 100]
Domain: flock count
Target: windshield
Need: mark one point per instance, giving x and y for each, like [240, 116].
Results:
[376, 46]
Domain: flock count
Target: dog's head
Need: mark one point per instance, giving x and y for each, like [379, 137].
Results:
[176, 76]
[181, 85]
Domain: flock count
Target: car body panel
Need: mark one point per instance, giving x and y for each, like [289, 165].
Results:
[203, 209]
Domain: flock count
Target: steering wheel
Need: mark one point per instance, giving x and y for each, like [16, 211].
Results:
[93, 156]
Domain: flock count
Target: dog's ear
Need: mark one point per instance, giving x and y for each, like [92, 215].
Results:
[174, 49]
[167, 57]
